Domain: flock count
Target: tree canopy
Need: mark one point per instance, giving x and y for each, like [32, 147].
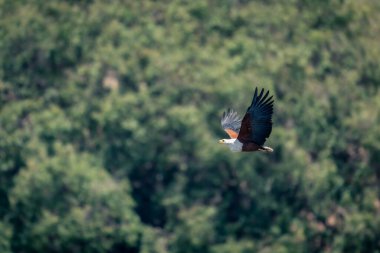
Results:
[110, 116]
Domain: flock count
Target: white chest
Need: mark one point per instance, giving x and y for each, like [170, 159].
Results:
[236, 146]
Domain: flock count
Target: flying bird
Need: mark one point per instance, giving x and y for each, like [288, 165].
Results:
[250, 134]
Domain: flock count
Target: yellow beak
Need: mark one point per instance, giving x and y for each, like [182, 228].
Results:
[221, 141]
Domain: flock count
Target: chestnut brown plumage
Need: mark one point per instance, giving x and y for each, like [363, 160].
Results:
[250, 133]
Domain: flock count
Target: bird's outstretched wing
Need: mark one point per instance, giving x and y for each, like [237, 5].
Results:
[231, 123]
[257, 122]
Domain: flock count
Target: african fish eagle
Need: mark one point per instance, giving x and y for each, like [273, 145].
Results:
[250, 133]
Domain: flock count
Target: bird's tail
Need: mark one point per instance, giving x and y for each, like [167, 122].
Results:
[266, 149]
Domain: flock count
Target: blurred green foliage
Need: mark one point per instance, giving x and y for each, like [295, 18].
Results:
[109, 121]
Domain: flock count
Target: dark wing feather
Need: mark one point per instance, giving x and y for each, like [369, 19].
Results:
[231, 122]
[257, 122]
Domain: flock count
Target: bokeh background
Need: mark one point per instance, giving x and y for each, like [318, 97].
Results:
[110, 117]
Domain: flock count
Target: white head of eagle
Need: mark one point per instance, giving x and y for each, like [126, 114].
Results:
[250, 133]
